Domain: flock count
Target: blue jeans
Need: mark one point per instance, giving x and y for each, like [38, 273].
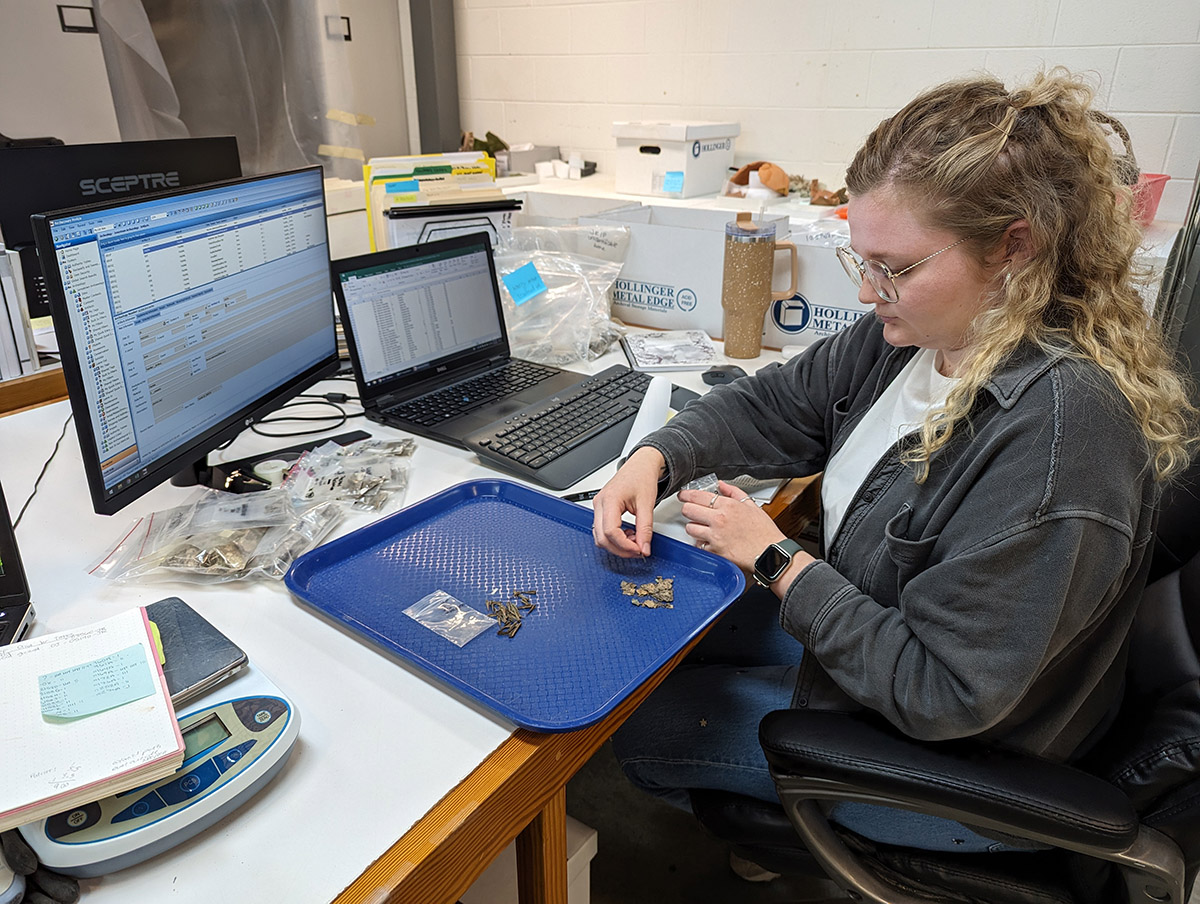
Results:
[699, 729]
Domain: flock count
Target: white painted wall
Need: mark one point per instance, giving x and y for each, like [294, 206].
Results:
[808, 79]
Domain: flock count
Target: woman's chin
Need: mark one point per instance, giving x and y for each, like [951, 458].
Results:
[894, 331]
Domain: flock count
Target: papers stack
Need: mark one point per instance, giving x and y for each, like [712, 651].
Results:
[18, 352]
[462, 177]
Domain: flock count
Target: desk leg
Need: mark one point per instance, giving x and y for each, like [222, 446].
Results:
[542, 855]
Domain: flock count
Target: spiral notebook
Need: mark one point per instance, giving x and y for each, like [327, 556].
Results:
[84, 714]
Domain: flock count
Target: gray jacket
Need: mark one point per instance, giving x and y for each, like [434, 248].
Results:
[995, 599]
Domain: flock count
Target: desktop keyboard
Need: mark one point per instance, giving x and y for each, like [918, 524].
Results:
[467, 395]
[560, 440]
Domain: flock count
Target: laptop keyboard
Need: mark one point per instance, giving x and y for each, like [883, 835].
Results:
[457, 400]
[536, 437]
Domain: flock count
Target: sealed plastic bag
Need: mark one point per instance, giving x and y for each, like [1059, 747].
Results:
[366, 475]
[560, 311]
[218, 537]
[445, 615]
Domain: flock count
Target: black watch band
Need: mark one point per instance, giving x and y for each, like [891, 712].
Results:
[774, 561]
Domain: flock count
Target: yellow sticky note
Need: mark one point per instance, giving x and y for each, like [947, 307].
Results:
[162, 656]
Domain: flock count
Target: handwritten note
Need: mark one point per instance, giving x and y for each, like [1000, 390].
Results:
[92, 687]
[524, 283]
[673, 181]
[49, 683]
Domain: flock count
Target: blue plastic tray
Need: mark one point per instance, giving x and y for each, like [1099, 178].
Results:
[576, 656]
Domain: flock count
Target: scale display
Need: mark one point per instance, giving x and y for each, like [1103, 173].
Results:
[235, 741]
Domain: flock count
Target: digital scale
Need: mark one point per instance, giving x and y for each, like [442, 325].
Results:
[12, 886]
[235, 740]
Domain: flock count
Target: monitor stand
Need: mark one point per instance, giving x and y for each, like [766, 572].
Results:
[239, 477]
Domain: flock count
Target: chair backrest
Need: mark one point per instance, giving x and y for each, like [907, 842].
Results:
[1153, 751]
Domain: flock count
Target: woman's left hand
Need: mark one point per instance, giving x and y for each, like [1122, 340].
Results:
[729, 523]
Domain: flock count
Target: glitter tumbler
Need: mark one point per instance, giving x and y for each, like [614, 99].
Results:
[746, 283]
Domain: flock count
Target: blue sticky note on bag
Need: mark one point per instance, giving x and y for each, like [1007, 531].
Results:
[673, 181]
[92, 687]
[524, 283]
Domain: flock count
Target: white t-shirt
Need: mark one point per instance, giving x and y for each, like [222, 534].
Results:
[899, 411]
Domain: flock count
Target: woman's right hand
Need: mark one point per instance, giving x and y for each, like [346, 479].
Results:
[633, 489]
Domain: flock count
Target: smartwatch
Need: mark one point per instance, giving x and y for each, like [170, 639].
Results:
[774, 561]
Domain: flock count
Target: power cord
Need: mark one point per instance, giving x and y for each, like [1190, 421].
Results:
[37, 482]
[334, 400]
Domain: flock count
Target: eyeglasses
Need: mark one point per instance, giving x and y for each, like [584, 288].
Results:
[880, 276]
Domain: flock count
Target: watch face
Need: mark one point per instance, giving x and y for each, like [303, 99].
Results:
[772, 562]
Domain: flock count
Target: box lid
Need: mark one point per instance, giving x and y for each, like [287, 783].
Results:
[675, 131]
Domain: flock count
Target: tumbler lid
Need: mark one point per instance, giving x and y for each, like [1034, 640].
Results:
[745, 229]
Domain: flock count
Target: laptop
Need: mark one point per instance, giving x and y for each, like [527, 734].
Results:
[16, 611]
[425, 330]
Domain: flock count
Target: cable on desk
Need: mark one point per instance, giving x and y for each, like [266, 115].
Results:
[332, 399]
[21, 513]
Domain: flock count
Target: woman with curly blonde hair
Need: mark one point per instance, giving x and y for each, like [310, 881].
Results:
[993, 442]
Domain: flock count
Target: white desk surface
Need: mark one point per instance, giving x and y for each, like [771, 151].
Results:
[379, 743]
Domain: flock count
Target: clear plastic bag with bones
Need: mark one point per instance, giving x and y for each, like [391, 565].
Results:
[218, 537]
[367, 475]
[572, 320]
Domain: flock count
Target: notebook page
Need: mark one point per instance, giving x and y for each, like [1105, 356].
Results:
[58, 749]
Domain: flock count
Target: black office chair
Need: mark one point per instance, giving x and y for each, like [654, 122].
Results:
[1121, 826]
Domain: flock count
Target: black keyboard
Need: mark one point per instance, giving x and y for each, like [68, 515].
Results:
[455, 401]
[560, 440]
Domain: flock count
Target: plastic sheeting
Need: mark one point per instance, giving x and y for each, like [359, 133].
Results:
[265, 71]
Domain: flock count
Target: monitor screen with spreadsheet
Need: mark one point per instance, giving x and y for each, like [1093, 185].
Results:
[183, 318]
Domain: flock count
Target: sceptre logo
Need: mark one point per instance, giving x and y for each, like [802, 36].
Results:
[115, 185]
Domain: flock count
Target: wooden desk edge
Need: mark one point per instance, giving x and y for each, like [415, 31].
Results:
[32, 390]
[447, 850]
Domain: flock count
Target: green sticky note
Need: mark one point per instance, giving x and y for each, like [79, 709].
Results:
[92, 687]
[162, 656]
[524, 283]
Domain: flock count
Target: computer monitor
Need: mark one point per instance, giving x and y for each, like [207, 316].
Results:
[50, 177]
[183, 318]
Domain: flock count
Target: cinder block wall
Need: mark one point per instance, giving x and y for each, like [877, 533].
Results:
[807, 79]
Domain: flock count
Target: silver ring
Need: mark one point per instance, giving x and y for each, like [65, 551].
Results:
[712, 503]
[701, 545]
[747, 499]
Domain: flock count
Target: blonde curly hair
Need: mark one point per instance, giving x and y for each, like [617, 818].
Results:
[976, 158]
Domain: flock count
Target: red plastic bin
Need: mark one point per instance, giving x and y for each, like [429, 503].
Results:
[1146, 195]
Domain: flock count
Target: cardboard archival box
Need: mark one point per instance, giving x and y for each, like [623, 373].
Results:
[673, 159]
[543, 208]
[671, 278]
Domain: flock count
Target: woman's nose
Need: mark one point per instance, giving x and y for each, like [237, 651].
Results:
[867, 293]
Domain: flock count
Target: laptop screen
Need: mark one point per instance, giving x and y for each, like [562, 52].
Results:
[417, 309]
[13, 587]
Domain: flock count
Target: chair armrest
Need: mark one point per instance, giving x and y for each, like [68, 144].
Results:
[836, 756]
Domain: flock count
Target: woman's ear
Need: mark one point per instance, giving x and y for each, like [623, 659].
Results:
[1015, 246]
